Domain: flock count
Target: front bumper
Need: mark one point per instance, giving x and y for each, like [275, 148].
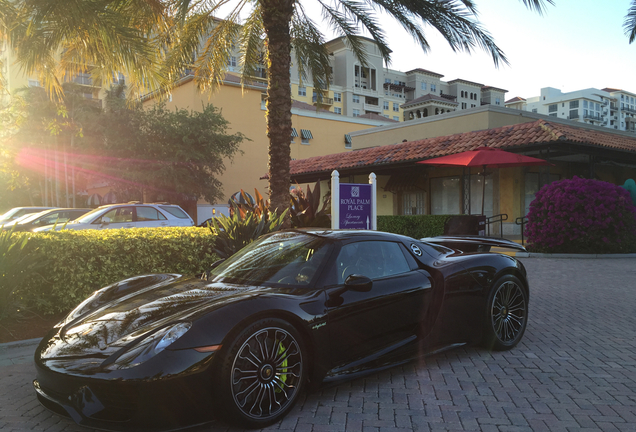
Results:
[118, 400]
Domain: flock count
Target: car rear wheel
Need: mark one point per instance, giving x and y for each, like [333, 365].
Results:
[506, 314]
[262, 373]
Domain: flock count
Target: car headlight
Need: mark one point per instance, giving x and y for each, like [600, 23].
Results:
[149, 347]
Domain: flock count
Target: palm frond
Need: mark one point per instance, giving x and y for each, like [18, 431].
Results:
[630, 22]
[539, 6]
[312, 56]
[252, 53]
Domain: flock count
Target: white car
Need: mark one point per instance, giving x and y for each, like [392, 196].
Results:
[18, 212]
[130, 215]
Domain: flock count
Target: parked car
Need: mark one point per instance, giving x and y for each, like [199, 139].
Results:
[294, 308]
[18, 212]
[58, 216]
[130, 215]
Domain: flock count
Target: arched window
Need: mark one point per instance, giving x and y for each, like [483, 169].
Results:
[425, 112]
[436, 111]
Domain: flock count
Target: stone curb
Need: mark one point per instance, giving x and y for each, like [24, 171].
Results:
[579, 256]
[20, 343]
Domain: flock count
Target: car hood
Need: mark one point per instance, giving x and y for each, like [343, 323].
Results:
[125, 319]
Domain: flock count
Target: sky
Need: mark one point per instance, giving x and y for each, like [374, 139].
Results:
[574, 45]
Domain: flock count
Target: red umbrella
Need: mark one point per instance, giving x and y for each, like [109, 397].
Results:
[486, 157]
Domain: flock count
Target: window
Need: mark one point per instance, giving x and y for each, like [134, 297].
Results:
[34, 83]
[337, 97]
[302, 91]
[356, 113]
[463, 105]
[584, 104]
[423, 86]
[145, 214]
[387, 80]
[386, 105]
[396, 107]
[305, 136]
[414, 203]
[337, 110]
[396, 118]
[574, 114]
[374, 259]
[534, 110]
[117, 215]
[433, 87]
[553, 114]
[356, 99]
[497, 101]
[552, 108]
[231, 63]
[445, 195]
[347, 139]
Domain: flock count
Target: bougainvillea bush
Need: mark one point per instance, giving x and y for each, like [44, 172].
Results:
[582, 216]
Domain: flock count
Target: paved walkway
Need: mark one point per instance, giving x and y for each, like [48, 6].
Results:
[575, 370]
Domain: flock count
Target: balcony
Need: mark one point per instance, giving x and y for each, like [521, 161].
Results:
[629, 110]
[573, 117]
[325, 100]
[592, 117]
[613, 106]
[372, 107]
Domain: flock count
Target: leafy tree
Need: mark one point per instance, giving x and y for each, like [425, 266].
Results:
[161, 153]
[154, 41]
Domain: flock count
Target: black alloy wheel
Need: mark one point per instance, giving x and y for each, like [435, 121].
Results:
[263, 373]
[506, 314]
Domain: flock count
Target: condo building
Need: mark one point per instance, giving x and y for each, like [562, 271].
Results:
[609, 107]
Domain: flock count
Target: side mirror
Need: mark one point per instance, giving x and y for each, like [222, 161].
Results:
[359, 283]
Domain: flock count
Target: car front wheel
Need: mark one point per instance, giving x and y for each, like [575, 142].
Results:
[262, 373]
[506, 314]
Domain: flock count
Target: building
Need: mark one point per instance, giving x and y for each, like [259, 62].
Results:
[357, 90]
[405, 187]
[610, 108]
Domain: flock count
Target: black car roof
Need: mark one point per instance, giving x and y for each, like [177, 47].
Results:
[346, 234]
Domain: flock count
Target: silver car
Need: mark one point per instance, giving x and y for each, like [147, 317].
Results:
[130, 215]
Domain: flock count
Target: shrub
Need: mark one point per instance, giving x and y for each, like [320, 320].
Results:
[416, 226]
[15, 266]
[246, 223]
[582, 216]
[79, 262]
[307, 209]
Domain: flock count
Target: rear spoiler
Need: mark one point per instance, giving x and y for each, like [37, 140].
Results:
[473, 243]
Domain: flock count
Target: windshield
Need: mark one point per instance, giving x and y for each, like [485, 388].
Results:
[286, 258]
[31, 217]
[88, 217]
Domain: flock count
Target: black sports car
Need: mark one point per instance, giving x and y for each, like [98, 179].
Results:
[295, 308]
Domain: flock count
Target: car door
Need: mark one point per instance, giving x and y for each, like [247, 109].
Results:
[118, 217]
[364, 322]
[149, 217]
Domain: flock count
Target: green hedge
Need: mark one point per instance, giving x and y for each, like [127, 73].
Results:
[78, 262]
[416, 226]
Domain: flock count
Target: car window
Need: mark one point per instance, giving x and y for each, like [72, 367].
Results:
[145, 214]
[175, 211]
[118, 215]
[51, 218]
[374, 259]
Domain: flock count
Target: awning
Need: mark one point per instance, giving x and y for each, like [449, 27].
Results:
[294, 133]
[402, 183]
[306, 134]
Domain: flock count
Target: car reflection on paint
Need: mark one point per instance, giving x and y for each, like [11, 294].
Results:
[294, 309]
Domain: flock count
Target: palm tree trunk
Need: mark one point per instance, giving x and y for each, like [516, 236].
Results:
[276, 16]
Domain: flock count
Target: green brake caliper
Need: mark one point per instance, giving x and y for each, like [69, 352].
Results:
[283, 378]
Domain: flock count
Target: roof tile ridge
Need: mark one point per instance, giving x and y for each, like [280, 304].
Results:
[552, 130]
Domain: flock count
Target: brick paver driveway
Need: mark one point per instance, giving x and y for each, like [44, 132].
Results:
[575, 370]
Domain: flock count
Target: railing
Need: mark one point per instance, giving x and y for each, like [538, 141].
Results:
[325, 100]
[522, 221]
[494, 219]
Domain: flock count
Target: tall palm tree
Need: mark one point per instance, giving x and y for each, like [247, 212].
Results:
[154, 41]
[630, 22]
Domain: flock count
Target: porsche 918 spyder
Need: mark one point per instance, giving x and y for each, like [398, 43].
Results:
[295, 309]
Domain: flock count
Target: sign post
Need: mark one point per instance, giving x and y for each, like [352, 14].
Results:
[353, 206]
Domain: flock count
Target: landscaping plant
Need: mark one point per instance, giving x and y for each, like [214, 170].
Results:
[582, 216]
[247, 222]
[309, 210]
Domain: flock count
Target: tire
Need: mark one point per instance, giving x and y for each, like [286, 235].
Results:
[262, 373]
[506, 314]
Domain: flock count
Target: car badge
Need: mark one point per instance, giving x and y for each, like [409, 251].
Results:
[416, 250]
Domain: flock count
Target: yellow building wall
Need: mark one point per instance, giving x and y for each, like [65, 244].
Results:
[246, 114]
[436, 126]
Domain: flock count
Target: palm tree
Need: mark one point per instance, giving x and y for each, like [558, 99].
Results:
[630, 22]
[154, 41]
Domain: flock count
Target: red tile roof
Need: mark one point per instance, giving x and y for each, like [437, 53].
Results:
[507, 137]
[374, 116]
[516, 99]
